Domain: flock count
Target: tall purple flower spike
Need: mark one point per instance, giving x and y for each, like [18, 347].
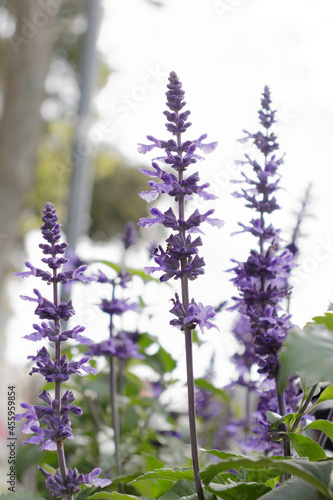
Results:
[50, 423]
[180, 259]
[262, 281]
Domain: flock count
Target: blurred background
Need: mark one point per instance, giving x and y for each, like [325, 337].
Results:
[82, 82]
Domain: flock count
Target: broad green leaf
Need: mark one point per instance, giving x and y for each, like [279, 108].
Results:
[204, 384]
[257, 475]
[85, 493]
[114, 495]
[245, 491]
[162, 362]
[221, 454]
[323, 426]
[184, 490]
[273, 418]
[326, 320]
[309, 353]
[315, 473]
[169, 474]
[294, 489]
[306, 447]
[326, 395]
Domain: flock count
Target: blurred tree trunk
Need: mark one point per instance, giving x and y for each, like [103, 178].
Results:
[26, 62]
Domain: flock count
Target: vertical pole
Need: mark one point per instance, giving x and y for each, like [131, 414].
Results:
[81, 179]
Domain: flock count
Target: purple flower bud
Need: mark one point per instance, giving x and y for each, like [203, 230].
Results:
[130, 235]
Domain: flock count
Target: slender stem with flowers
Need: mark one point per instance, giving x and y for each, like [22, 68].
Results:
[121, 345]
[263, 279]
[181, 260]
[50, 422]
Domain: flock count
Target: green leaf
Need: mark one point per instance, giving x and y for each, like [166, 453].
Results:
[204, 384]
[162, 362]
[326, 395]
[294, 489]
[170, 474]
[323, 426]
[306, 447]
[184, 490]
[273, 418]
[309, 353]
[245, 491]
[133, 272]
[257, 475]
[326, 320]
[315, 473]
[221, 454]
[114, 495]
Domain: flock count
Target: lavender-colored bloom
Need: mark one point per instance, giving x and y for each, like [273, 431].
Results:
[60, 487]
[130, 235]
[118, 306]
[54, 334]
[180, 260]
[262, 278]
[58, 428]
[59, 370]
[196, 315]
[121, 346]
[50, 422]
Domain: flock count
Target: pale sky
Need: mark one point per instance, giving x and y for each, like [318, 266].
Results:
[225, 52]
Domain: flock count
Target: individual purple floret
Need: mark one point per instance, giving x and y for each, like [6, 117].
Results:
[50, 423]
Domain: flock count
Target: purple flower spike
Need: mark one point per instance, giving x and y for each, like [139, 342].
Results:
[50, 423]
[180, 260]
[262, 278]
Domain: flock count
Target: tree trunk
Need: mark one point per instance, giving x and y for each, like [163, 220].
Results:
[27, 57]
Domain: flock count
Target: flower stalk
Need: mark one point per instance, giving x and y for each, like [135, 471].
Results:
[50, 423]
[181, 260]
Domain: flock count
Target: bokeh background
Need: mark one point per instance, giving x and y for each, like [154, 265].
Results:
[82, 82]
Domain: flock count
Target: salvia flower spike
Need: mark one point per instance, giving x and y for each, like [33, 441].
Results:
[262, 280]
[180, 260]
[50, 423]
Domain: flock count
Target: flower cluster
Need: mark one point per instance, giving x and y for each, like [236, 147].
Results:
[263, 285]
[50, 423]
[122, 345]
[180, 260]
[262, 279]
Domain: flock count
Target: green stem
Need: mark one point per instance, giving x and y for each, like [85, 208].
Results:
[282, 411]
[303, 408]
[323, 437]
